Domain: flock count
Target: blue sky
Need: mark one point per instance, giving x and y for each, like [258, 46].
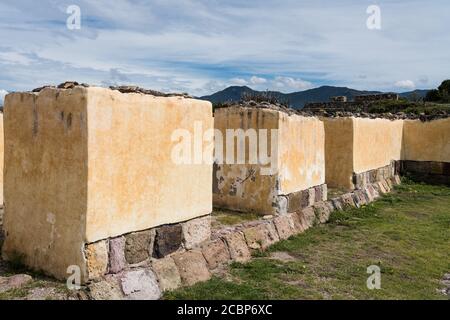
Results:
[206, 45]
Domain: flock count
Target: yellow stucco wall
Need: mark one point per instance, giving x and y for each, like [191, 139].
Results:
[82, 165]
[299, 159]
[338, 152]
[376, 142]
[427, 141]
[301, 152]
[2, 149]
[356, 145]
[45, 179]
[241, 187]
[133, 183]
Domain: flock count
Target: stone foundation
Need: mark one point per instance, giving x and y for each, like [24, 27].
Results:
[118, 254]
[427, 171]
[360, 180]
[302, 199]
[186, 267]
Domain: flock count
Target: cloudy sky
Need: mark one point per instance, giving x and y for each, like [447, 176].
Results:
[202, 46]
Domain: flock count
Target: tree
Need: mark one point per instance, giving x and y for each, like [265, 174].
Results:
[444, 91]
[444, 88]
[433, 96]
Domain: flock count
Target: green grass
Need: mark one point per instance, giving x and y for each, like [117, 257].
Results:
[229, 218]
[406, 233]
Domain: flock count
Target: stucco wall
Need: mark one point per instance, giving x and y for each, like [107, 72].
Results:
[376, 142]
[301, 153]
[2, 151]
[45, 179]
[82, 165]
[427, 141]
[299, 159]
[241, 187]
[338, 152]
[356, 145]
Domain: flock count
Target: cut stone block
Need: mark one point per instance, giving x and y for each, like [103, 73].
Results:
[196, 231]
[284, 226]
[192, 267]
[338, 203]
[237, 247]
[360, 199]
[167, 273]
[348, 201]
[296, 223]
[139, 246]
[168, 240]
[295, 201]
[216, 253]
[322, 212]
[97, 259]
[107, 289]
[117, 261]
[260, 236]
[311, 197]
[307, 217]
[140, 285]
[319, 193]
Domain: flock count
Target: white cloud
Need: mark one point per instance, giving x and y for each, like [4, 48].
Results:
[238, 81]
[11, 57]
[288, 82]
[3, 93]
[257, 80]
[193, 44]
[405, 84]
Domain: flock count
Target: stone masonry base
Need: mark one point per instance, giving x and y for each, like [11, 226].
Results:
[431, 172]
[295, 201]
[360, 180]
[179, 260]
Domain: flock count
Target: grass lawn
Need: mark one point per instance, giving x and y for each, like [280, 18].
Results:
[406, 233]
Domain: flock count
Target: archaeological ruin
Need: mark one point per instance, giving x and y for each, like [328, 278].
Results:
[88, 172]
[291, 179]
[90, 180]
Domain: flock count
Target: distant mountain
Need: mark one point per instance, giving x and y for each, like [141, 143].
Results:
[412, 95]
[299, 99]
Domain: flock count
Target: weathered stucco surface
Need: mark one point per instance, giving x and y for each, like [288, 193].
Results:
[133, 183]
[356, 145]
[301, 153]
[2, 149]
[241, 187]
[45, 179]
[297, 165]
[427, 141]
[90, 163]
[338, 152]
[376, 142]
